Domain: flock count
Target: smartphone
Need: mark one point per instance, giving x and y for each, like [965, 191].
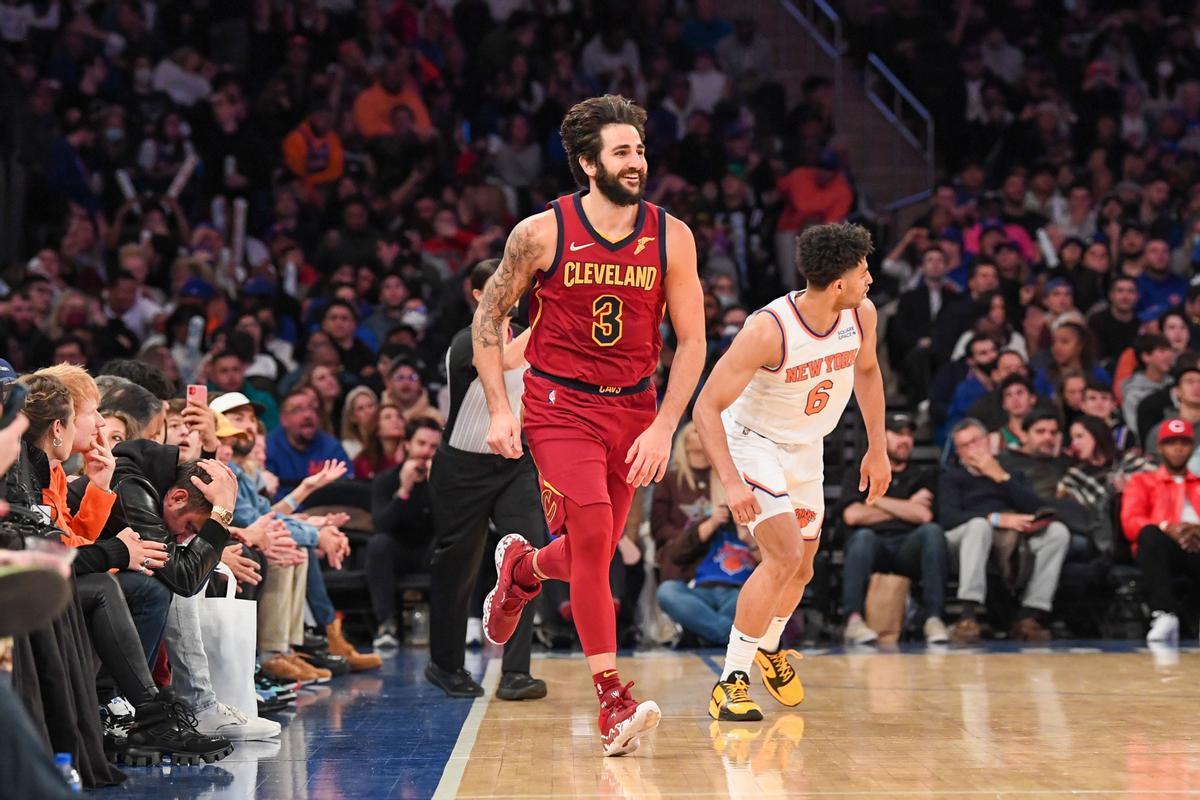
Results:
[1044, 514]
[14, 401]
[197, 395]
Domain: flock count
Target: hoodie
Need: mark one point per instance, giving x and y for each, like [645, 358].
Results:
[145, 472]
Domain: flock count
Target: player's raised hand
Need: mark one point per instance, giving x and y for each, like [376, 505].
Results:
[648, 455]
[875, 474]
[504, 435]
[742, 503]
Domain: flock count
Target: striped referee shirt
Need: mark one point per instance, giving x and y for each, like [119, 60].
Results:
[468, 421]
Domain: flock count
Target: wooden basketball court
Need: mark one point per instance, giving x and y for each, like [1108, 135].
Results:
[946, 723]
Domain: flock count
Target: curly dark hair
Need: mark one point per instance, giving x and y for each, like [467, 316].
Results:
[826, 252]
[581, 127]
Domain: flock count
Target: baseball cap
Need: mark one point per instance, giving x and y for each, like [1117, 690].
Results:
[1176, 429]
[225, 428]
[7, 373]
[897, 421]
[197, 288]
[231, 400]
[258, 287]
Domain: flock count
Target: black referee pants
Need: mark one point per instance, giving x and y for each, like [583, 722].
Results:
[468, 490]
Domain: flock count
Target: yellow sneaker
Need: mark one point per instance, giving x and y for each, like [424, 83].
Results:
[731, 700]
[780, 677]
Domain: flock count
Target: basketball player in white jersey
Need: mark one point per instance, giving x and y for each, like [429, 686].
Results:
[770, 401]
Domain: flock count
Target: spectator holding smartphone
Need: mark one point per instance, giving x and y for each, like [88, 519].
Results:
[403, 516]
[1160, 515]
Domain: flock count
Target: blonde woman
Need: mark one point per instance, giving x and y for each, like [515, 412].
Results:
[358, 419]
[701, 558]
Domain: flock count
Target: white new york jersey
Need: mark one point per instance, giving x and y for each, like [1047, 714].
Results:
[802, 399]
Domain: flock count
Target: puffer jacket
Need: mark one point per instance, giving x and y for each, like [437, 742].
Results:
[145, 472]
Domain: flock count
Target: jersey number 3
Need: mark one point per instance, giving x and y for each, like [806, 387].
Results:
[818, 398]
[606, 320]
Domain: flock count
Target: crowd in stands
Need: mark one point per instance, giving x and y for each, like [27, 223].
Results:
[279, 203]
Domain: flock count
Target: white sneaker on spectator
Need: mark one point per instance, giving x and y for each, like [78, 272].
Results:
[935, 631]
[1164, 627]
[387, 636]
[857, 632]
[474, 631]
[228, 722]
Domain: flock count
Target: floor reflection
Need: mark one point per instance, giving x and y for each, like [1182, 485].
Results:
[374, 735]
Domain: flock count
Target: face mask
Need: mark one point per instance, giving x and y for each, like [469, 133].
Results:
[986, 367]
[726, 300]
[415, 318]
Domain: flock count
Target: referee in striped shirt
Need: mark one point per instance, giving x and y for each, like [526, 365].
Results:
[469, 485]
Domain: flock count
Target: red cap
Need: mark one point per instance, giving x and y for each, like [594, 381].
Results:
[1176, 429]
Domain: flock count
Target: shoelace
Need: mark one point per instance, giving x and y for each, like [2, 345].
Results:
[783, 667]
[621, 699]
[233, 712]
[738, 691]
[179, 713]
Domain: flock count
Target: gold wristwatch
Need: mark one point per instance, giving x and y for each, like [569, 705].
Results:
[222, 515]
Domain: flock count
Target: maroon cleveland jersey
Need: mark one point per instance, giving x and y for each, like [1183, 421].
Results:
[596, 312]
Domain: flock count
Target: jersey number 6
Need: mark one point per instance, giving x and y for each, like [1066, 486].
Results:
[818, 398]
[606, 320]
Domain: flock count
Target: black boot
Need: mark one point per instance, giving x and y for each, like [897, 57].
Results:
[520, 686]
[168, 726]
[118, 717]
[455, 684]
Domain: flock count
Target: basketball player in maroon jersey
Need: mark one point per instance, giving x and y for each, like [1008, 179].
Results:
[604, 265]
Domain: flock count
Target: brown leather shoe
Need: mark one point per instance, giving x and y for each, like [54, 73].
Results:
[1029, 629]
[966, 631]
[283, 669]
[339, 646]
[316, 674]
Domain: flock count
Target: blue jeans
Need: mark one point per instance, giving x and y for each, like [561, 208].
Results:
[919, 555]
[148, 599]
[706, 611]
[318, 597]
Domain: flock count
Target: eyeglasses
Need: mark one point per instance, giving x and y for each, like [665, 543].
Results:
[407, 378]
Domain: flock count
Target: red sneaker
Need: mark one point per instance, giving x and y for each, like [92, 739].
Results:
[623, 720]
[504, 603]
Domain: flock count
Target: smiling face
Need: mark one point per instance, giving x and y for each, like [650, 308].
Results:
[620, 172]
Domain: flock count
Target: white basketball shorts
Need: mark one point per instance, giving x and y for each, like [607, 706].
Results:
[786, 479]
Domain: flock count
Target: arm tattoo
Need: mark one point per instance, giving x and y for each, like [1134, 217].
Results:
[506, 286]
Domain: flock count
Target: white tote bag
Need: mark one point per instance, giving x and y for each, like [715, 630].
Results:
[229, 629]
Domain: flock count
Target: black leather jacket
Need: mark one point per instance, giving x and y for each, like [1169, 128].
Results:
[145, 473]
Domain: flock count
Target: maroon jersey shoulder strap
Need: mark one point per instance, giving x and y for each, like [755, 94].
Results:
[555, 205]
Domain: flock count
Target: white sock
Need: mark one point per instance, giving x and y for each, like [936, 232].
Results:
[770, 639]
[740, 654]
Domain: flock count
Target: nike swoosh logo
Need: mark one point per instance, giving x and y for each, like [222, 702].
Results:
[575, 247]
[747, 641]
